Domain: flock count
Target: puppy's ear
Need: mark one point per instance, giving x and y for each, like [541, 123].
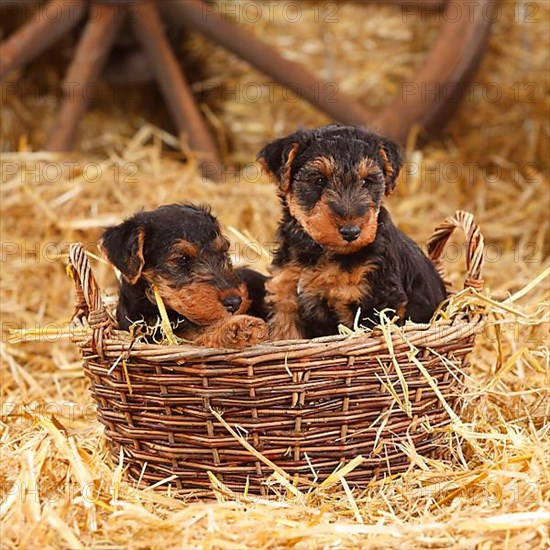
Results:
[123, 247]
[276, 159]
[392, 158]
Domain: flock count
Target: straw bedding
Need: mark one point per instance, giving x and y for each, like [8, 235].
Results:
[60, 488]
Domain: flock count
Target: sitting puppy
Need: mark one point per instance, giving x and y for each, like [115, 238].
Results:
[338, 248]
[179, 248]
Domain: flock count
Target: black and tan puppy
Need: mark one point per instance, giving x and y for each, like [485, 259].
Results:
[180, 249]
[338, 248]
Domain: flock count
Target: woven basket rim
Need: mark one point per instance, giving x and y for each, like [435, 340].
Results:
[121, 340]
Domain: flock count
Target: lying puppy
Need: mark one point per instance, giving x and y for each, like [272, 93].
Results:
[179, 248]
[338, 248]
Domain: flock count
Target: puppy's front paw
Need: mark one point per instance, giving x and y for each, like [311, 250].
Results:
[241, 331]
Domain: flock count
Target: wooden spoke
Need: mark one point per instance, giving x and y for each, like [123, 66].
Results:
[427, 101]
[38, 35]
[433, 95]
[176, 91]
[90, 56]
[450, 63]
[266, 59]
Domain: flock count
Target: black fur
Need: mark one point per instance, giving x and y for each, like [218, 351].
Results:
[401, 276]
[255, 285]
[144, 244]
[402, 273]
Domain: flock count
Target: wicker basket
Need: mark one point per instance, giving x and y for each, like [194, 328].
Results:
[305, 405]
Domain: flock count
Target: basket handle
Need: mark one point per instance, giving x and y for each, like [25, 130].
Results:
[474, 250]
[89, 308]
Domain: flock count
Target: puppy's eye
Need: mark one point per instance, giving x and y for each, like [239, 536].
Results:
[183, 261]
[366, 182]
[321, 181]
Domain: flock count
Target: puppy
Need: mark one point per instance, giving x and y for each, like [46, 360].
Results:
[179, 248]
[338, 250]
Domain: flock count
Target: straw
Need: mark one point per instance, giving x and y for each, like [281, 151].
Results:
[486, 493]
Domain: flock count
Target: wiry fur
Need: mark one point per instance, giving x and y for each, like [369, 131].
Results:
[331, 181]
[179, 248]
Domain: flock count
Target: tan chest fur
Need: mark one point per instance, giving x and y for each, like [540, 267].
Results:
[342, 290]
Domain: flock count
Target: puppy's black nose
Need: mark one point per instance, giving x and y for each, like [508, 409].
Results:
[232, 303]
[350, 232]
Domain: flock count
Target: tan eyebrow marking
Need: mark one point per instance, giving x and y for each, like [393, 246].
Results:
[366, 166]
[185, 248]
[325, 165]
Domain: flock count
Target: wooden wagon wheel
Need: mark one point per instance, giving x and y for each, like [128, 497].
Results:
[451, 62]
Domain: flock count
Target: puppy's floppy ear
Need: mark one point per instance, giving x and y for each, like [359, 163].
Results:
[276, 158]
[123, 247]
[392, 158]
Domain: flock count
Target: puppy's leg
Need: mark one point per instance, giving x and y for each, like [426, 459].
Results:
[235, 331]
[282, 299]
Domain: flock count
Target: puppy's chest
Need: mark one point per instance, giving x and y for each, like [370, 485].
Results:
[329, 285]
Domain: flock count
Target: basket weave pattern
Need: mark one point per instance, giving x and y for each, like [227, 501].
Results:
[304, 404]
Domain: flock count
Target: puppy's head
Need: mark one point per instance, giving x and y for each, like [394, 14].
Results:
[333, 179]
[180, 249]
